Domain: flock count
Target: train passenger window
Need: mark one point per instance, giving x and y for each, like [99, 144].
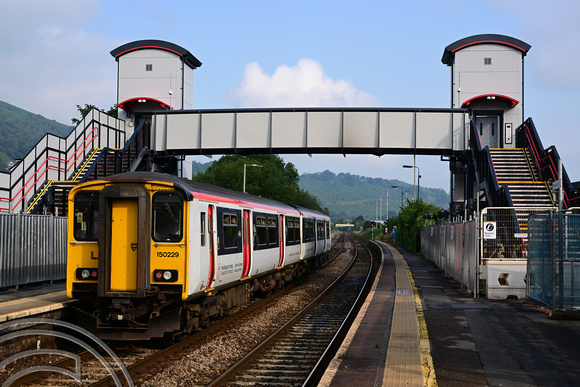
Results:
[272, 231]
[86, 216]
[167, 217]
[261, 231]
[230, 225]
[290, 231]
[202, 219]
[308, 230]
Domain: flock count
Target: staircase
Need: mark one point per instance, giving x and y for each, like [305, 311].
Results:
[514, 171]
[52, 197]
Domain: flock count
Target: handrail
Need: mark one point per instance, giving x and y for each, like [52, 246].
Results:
[546, 160]
[54, 166]
[87, 162]
[483, 163]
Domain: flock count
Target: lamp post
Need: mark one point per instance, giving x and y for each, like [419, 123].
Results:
[402, 193]
[250, 165]
[415, 173]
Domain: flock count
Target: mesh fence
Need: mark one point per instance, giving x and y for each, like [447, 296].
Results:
[554, 259]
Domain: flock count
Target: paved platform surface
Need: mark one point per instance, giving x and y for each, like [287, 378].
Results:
[31, 301]
[458, 340]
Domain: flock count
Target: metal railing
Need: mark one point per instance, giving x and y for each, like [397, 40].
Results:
[496, 195]
[553, 272]
[453, 248]
[56, 158]
[26, 258]
[546, 161]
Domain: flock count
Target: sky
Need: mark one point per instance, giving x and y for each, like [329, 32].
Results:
[55, 55]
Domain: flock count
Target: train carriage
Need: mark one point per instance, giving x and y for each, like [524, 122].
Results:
[150, 253]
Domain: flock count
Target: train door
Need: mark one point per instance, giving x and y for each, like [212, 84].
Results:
[281, 239]
[210, 233]
[246, 244]
[488, 127]
[124, 245]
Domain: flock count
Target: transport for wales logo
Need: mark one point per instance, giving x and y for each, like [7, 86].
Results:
[36, 347]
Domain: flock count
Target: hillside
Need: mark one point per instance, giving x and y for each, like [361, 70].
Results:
[348, 196]
[20, 130]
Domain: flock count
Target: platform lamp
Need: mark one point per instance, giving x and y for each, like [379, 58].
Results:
[249, 165]
[418, 184]
[402, 193]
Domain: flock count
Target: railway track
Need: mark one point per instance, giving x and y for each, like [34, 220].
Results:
[298, 352]
[226, 340]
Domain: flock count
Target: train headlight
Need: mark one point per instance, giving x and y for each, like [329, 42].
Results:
[87, 274]
[165, 275]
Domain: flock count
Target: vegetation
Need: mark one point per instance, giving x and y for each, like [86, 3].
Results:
[21, 130]
[274, 179]
[410, 222]
[84, 110]
[349, 196]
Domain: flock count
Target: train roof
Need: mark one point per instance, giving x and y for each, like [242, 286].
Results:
[312, 213]
[195, 189]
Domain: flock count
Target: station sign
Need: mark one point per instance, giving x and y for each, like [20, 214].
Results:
[489, 230]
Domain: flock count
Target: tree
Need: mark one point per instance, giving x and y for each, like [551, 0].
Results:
[410, 222]
[274, 179]
[113, 111]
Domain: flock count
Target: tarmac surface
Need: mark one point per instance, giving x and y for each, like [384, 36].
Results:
[470, 341]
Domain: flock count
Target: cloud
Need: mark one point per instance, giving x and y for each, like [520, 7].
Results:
[50, 63]
[303, 85]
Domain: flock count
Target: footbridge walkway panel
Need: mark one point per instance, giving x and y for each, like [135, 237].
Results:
[375, 131]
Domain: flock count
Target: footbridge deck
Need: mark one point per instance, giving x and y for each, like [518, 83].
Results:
[375, 131]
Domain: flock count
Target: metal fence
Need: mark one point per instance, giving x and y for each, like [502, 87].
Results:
[453, 248]
[32, 249]
[554, 259]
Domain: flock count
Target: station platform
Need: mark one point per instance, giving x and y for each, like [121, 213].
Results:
[31, 301]
[419, 327]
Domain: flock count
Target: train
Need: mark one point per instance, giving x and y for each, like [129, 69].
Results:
[151, 254]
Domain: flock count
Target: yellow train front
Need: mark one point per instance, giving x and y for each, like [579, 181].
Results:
[151, 254]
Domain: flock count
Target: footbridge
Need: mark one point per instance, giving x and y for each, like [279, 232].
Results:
[376, 131]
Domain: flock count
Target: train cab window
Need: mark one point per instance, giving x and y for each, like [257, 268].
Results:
[167, 217]
[202, 219]
[230, 224]
[86, 216]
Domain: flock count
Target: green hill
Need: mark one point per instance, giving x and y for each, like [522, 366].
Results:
[348, 196]
[20, 130]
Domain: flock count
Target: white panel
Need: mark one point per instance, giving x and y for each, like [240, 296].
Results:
[289, 130]
[182, 131]
[397, 130]
[218, 130]
[253, 130]
[361, 130]
[324, 129]
[460, 127]
[433, 130]
[158, 135]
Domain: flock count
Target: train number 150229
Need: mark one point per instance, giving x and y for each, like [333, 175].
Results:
[167, 254]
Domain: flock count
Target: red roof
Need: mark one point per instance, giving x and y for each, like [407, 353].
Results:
[510, 101]
[125, 105]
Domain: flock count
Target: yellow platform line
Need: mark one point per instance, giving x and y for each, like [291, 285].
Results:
[409, 361]
[29, 306]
